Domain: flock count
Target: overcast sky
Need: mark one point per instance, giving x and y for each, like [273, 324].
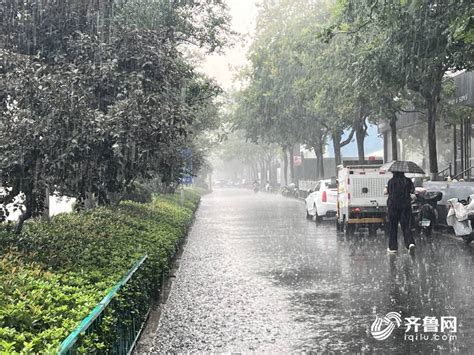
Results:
[223, 67]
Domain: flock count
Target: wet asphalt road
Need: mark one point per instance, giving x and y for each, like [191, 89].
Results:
[255, 275]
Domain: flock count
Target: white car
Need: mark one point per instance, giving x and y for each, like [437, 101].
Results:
[321, 202]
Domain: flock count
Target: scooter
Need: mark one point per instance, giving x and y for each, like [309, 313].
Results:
[461, 218]
[469, 204]
[424, 213]
[289, 190]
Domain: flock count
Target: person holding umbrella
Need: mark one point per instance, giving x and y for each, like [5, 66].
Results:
[399, 189]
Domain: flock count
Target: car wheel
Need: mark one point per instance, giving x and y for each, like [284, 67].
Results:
[308, 216]
[318, 219]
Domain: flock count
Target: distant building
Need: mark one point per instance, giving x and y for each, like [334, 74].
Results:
[454, 142]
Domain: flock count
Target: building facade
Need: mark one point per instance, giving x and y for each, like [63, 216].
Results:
[454, 141]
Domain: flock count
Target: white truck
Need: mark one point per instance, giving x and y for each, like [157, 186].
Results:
[361, 201]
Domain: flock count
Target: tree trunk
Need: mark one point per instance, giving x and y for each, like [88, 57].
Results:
[360, 137]
[336, 142]
[292, 167]
[318, 151]
[25, 215]
[455, 150]
[393, 132]
[33, 195]
[269, 170]
[321, 159]
[432, 104]
[360, 131]
[285, 165]
[46, 204]
[29, 204]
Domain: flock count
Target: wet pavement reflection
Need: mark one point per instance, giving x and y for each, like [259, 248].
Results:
[256, 275]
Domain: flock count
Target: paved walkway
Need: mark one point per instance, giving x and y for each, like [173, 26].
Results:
[255, 275]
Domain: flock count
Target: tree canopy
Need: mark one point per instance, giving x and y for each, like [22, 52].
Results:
[97, 94]
[338, 65]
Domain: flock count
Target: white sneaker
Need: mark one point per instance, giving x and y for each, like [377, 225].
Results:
[411, 249]
[390, 251]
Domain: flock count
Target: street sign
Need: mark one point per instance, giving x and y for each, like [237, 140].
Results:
[187, 180]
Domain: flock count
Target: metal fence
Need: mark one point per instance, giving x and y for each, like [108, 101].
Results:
[130, 314]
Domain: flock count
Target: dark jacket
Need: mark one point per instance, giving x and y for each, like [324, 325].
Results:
[399, 190]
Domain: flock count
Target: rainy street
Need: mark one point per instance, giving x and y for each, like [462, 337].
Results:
[229, 176]
[256, 275]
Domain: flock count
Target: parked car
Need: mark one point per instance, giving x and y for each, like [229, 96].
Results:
[321, 202]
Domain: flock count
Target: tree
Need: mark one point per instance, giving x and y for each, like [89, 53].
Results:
[253, 157]
[425, 39]
[93, 99]
[301, 88]
[278, 101]
[333, 98]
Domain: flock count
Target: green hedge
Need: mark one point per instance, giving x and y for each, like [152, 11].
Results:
[54, 273]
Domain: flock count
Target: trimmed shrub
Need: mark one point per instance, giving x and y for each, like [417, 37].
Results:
[55, 272]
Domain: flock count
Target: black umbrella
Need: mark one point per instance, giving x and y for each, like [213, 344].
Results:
[402, 166]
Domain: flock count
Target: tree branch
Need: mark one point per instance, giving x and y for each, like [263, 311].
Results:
[360, 27]
[411, 111]
[349, 139]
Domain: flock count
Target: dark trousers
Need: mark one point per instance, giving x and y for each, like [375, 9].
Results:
[402, 216]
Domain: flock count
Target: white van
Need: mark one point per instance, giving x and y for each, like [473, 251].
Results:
[361, 201]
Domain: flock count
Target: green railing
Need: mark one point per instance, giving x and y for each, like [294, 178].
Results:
[94, 330]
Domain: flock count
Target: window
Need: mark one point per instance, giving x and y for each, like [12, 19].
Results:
[331, 185]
